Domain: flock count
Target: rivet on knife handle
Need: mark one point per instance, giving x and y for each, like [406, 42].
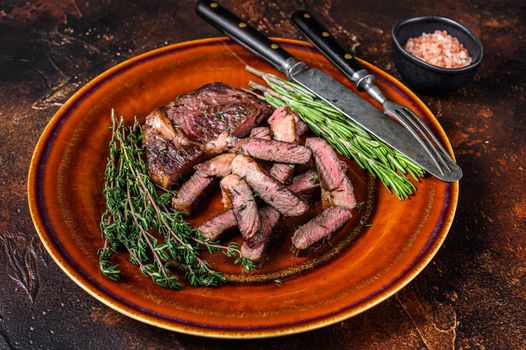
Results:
[244, 34]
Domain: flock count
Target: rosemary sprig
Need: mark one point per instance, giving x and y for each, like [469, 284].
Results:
[352, 141]
[138, 219]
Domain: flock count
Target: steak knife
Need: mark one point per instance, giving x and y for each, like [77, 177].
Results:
[324, 86]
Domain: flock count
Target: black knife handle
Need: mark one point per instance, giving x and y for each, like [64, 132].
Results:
[325, 42]
[245, 34]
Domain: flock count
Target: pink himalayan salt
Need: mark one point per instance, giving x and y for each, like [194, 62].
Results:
[439, 49]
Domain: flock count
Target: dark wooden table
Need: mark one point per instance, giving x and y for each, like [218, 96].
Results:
[472, 295]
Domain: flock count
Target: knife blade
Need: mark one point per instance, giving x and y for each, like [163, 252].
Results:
[322, 85]
[322, 39]
[371, 119]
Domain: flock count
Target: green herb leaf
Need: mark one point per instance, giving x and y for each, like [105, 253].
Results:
[137, 218]
[351, 140]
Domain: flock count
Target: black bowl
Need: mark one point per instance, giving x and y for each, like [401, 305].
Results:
[425, 77]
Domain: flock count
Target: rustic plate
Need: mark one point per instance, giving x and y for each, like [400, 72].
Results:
[65, 183]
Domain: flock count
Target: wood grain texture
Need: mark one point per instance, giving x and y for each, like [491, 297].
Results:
[472, 294]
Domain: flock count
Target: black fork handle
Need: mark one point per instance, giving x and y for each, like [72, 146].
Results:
[245, 34]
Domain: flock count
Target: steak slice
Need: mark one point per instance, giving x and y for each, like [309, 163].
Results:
[283, 127]
[314, 232]
[168, 153]
[244, 208]
[220, 165]
[305, 185]
[269, 221]
[191, 191]
[271, 191]
[301, 127]
[269, 216]
[276, 151]
[261, 132]
[214, 228]
[282, 172]
[209, 111]
[332, 173]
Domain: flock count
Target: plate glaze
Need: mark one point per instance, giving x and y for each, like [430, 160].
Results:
[65, 199]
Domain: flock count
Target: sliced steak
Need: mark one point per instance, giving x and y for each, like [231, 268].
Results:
[167, 156]
[305, 185]
[301, 127]
[191, 191]
[209, 111]
[201, 117]
[283, 127]
[261, 132]
[270, 217]
[216, 227]
[326, 198]
[271, 191]
[244, 208]
[343, 196]
[332, 173]
[282, 172]
[314, 232]
[276, 151]
[220, 165]
[269, 221]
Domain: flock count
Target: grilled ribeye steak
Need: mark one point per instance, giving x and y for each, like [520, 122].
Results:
[314, 232]
[283, 128]
[261, 132]
[244, 207]
[220, 166]
[209, 111]
[269, 190]
[334, 180]
[192, 190]
[167, 155]
[283, 125]
[214, 228]
[272, 150]
[305, 185]
[269, 221]
[200, 118]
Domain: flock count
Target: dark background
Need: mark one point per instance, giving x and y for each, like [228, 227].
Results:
[472, 295]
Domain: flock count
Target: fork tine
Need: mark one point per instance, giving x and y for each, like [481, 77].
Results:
[411, 118]
[426, 128]
[403, 119]
[416, 126]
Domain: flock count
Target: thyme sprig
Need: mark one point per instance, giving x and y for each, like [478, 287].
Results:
[352, 141]
[138, 219]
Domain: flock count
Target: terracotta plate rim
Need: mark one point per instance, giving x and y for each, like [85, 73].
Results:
[425, 256]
